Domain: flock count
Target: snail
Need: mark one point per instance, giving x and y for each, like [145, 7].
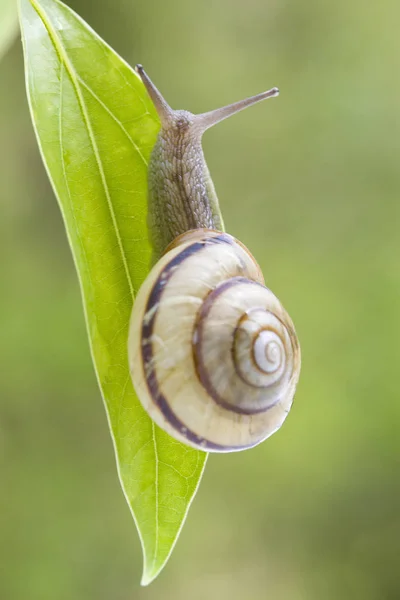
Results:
[213, 355]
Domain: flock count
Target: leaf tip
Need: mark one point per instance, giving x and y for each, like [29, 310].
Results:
[153, 568]
[149, 576]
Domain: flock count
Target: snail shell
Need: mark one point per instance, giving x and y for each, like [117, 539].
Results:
[214, 357]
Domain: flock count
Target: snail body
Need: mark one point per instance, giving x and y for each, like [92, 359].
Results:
[182, 196]
[213, 355]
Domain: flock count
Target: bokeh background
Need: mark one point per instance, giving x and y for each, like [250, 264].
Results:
[310, 181]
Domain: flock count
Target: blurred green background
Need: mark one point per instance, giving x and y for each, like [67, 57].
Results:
[313, 513]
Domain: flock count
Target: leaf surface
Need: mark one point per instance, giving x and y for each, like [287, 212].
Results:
[96, 127]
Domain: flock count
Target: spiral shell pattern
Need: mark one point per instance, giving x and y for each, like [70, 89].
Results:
[214, 357]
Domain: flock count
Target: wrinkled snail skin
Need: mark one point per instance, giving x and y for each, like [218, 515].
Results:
[222, 376]
[213, 355]
[181, 192]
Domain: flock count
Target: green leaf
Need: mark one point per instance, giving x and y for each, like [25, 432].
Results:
[96, 127]
[8, 24]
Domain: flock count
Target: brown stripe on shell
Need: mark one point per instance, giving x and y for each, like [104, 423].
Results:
[155, 297]
[254, 337]
[253, 358]
[195, 235]
[197, 343]
[294, 343]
